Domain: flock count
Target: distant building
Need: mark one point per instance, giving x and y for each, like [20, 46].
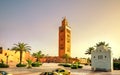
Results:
[64, 39]
[83, 60]
[102, 59]
[12, 56]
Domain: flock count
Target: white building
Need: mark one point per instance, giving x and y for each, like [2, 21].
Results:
[101, 59]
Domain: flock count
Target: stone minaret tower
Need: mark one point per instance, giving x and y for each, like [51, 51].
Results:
[64, 39]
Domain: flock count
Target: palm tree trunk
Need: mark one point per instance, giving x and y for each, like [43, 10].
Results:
[66, 60]
[21, 56]
[37, 59]
[7, 59]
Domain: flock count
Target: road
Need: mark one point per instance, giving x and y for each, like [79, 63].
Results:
[86, 70]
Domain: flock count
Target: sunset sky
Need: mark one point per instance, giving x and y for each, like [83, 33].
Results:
[36, 23]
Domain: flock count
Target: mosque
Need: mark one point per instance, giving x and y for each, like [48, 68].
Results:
[64, 47]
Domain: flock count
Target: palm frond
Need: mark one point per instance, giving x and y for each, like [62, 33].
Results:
[89, 50]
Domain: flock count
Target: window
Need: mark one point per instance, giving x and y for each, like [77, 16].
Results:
[0, 50]
[68, 35]
[57, 70]
[68, 31]
[61, 39]
[61, 48]
[68, 41]
[68, 50]
[105, 56]
[100, 57]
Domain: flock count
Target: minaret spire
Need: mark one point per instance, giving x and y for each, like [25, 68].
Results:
[64, 21]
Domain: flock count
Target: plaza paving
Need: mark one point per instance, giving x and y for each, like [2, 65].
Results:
[86, 70]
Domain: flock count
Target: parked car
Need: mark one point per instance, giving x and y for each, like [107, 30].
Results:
[4, 73]
[49, 73]
[62, 71]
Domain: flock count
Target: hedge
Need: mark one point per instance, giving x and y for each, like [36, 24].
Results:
[36, 64]
[67, 65]
[2, 65]
[74, 66]
[21, 65]
[116, 65]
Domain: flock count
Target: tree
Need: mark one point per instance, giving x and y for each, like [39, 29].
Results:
[38, 55]
[29, 63]
[6, 54]
[88, 60]
[21, 47]
[89, 50]
[66, 56]
[119, 59]
[102, 43]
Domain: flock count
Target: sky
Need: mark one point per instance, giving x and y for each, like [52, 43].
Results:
[36, 22]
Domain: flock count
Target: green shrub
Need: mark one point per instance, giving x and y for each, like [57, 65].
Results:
[67, 65]
[74, 66]
[36, 64]
[21, 65]
[2, 65]
[29, 62]
[80, 66]
[116, 66]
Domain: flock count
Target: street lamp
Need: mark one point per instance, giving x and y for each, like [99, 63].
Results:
[6, 58]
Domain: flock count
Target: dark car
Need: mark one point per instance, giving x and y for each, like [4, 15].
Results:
[4, 73]
[48, 73]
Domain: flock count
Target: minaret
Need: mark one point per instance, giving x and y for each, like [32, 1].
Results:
[1, 50]
[64, 39]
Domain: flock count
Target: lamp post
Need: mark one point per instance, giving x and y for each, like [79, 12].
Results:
[6, 58]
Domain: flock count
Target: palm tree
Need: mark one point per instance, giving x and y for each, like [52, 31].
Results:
[89, 50]
[38, 55]
[102, 43]
[21, 47]
[66, 56]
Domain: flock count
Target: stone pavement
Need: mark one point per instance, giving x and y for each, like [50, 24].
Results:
[86, 70]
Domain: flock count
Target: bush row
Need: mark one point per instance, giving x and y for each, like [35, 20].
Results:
[116, 65]
[76, 66]
[73, 66]
[2, 65]
[21, 65]
[34, 64]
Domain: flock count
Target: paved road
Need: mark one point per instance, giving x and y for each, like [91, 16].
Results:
[86, 70]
